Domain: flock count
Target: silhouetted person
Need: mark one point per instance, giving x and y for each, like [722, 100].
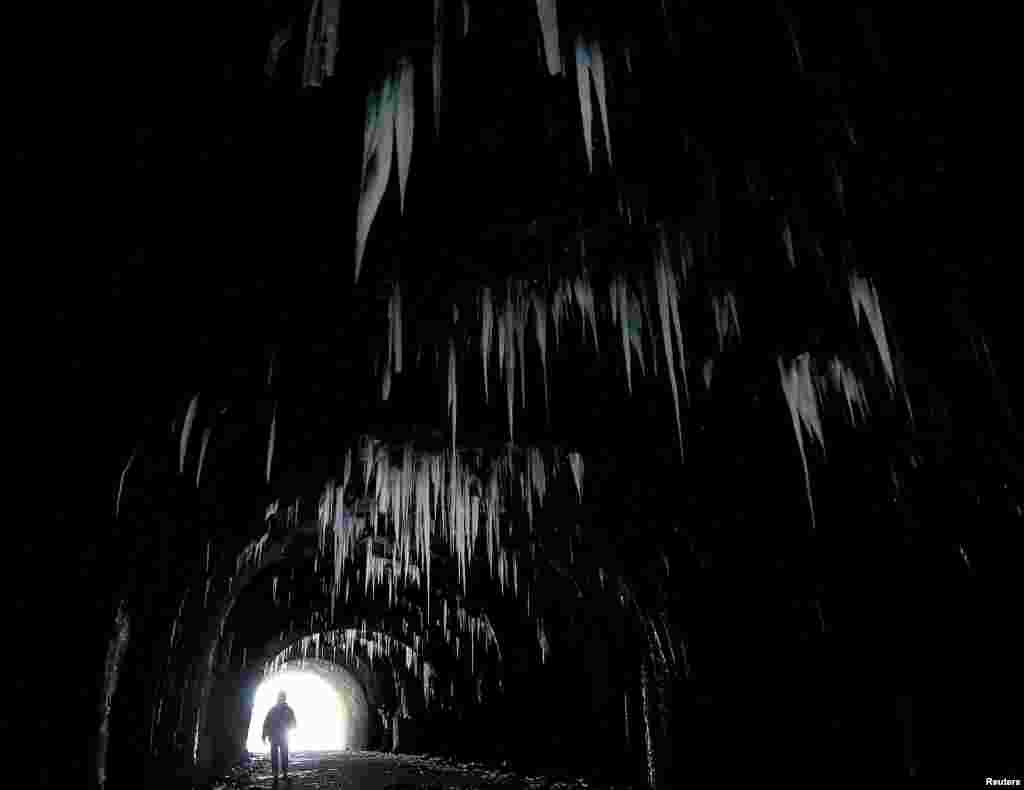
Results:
[280, 719]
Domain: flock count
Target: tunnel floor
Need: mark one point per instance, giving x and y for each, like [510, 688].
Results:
[380, 770]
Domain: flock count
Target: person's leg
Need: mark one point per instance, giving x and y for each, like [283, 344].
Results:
[274, 745]
[284, 758]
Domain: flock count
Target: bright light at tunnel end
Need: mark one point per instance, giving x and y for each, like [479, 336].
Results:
[321, 717]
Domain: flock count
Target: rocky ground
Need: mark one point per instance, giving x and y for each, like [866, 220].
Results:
[382, 771]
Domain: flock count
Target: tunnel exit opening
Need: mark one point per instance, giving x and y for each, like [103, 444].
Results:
[322, 718]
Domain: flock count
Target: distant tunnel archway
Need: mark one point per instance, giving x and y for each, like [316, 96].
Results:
[330, 705]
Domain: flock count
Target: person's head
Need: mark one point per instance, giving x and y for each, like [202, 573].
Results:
[282, 697]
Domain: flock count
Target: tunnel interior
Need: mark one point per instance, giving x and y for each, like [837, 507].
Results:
[657, 415]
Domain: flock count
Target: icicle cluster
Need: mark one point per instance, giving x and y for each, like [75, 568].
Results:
[420, 496]
[803, 387]
[506, 323]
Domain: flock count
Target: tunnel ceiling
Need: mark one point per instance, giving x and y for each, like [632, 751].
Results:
[647, 291]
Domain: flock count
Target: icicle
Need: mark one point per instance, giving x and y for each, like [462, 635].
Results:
[590, 66]
[321, 41]
[627, 313]
[120, 485]
[506, 352]
[378, 149]
[583, 65]
[654, 639]
[453, 397]
[185, 431]
[787, 239]
[395, 342]
[635, 321]
[547, 10]
[846, 382]
[521, 316]
[616, 298]
[585, 301]
[270, 441]
[798, 386]
[540, 324]
[404, 125]
[727, 322]
[202, 454]
[538, 473]
[576, 464]
[673, 294]
[668, 311]
[486, 332]
[436, 63]
[865, 302]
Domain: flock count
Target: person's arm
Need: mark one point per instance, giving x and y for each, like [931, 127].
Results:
[292, 724]
[266, 725]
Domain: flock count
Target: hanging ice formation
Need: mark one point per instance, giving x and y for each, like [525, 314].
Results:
[394, 358]
[506, 317]
[202, 454]
[422, 496]
[453, 391]
[120, 484]
[727, 321]
[547, 10]
[321, 41]
[627, 311]
[844, 381]
[590, 67]
[270, 442]
[803, 387]
[186, 429]
[667, 288]
[389, 129]
[801, 393]
[865, 302]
